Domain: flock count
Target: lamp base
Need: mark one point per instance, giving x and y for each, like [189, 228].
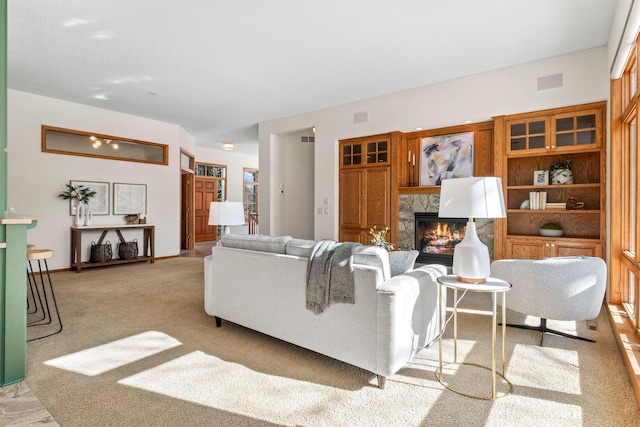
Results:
[470, 280]
[471, 263]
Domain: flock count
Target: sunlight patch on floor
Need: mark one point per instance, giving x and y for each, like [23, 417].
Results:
[207, 380]
[103, 358]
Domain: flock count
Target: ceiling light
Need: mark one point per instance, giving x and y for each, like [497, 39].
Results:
[97, 142]
[228, 146]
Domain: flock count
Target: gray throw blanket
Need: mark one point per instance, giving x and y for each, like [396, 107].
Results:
[330, 275]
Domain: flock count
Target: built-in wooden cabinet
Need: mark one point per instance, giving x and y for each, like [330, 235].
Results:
[365, 187]
[531, 142]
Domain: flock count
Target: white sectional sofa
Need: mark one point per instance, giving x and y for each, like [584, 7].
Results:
[260, 282]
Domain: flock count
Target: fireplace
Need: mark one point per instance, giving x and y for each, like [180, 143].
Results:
[436, 237]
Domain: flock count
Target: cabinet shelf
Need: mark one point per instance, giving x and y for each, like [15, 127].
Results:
[564, 238]
[553, 187]
[554, 211]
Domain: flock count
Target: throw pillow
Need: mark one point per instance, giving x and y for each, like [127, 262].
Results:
[402, 261]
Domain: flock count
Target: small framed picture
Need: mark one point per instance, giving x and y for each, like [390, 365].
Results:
[541, 177]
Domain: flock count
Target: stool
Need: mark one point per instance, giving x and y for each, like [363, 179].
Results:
[41, 255]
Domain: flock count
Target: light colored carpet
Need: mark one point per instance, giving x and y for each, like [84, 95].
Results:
[138, 349]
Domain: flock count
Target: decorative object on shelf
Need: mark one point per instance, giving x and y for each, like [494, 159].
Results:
[444, 157]
[541, 177]
[80, 214]
[131, 219]
[226, 214]
[561, 172]
[101, 253]
[574, 203]
[551, 229]
[128, 250]
[142, 219]
[525, 205]
[474, 197]
[379, 238]
[88, 217]
[537, 200]
[412, 165]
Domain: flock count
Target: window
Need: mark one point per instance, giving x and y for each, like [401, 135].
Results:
[88, 144]
[250, 192]
[625, 160]
[218, 173]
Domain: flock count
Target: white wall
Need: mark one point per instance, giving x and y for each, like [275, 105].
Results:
[36, 178]
[235, 163]
[477, 98]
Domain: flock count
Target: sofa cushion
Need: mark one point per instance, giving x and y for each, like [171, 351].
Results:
[374, 256]
[300, 247]
[402, 261]
[256, 242]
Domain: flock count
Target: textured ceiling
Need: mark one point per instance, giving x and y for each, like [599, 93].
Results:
[218, 67]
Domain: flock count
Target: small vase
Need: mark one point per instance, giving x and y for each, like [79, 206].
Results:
[562, 176]
[80, 214]
[88, 220]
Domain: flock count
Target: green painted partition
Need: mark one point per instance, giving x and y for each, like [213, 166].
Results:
[13, 251]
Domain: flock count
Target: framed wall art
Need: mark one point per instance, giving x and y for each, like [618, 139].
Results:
[446, 156]
[129, 199]
[99, 204]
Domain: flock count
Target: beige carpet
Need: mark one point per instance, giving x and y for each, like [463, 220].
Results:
[138, 349]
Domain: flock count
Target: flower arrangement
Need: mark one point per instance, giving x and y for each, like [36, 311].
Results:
[80, 193]
[378, 238]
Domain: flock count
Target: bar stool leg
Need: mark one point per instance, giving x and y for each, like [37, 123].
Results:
[38, 305]
[46, 307]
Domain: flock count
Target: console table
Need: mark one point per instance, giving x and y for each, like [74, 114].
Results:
[146, 246]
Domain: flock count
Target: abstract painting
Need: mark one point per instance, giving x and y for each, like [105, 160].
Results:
[446, 156]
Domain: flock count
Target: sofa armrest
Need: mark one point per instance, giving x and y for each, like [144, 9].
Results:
[407, 316]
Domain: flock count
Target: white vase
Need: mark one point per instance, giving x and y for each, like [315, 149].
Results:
[88, 220]
[80, 214]
[562, 176]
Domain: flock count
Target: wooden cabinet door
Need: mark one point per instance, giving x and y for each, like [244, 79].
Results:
[354, 235]
[352, 208]
[578, 248]
[378, 197]
[525, 249]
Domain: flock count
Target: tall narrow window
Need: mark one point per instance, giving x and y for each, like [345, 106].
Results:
[250, 192]
[625, 224]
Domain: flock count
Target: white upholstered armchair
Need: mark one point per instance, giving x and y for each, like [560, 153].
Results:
[563, 288]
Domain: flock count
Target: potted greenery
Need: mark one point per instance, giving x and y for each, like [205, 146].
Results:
[560, 172]
[551, 229]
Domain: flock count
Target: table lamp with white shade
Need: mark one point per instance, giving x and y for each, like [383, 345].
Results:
[473, 197]
[226, 214]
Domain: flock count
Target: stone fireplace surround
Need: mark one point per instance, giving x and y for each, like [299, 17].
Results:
[411, 203]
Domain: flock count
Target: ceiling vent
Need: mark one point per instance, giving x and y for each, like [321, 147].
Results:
[307, 139]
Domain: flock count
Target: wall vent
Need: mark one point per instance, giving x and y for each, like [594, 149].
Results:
[550, 82]
[307, 139]
[361, 117]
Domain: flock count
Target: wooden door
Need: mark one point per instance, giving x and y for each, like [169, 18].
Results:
[206, 191]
